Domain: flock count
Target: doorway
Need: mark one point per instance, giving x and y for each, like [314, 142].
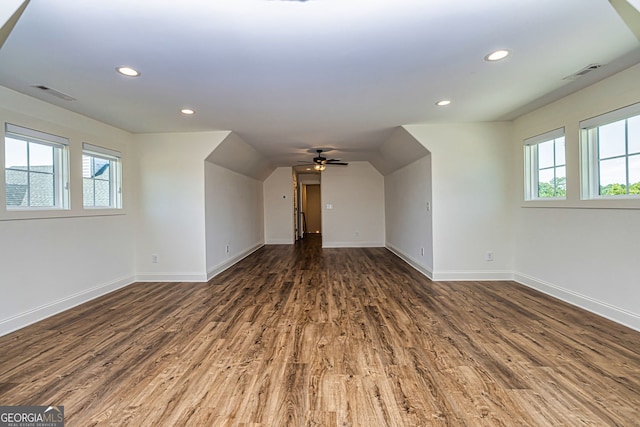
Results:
[312, 209]
[309, 219]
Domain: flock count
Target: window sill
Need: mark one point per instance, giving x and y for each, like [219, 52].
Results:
[584, 204]
[26, 214]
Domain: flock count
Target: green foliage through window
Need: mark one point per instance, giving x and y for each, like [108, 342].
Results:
[557, 187]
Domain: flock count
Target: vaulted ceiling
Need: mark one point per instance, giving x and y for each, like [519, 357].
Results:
[287, 76]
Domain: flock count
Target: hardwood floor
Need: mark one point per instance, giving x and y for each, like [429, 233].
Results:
[301, 336]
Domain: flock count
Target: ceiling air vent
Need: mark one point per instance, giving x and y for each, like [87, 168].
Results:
[585, 70]
[54, 92]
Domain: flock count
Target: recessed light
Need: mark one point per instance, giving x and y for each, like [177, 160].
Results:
[188, 111]
[497, 55]
[128, 71]
[443, 103]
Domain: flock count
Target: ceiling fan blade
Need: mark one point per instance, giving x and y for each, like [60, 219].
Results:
[338, 163]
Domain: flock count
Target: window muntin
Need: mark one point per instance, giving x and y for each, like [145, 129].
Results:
[611, 154]
[35, 169]
[101, 177]
[545, 166]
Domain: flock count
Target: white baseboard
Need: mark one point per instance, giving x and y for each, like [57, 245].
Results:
[466, 276]
[444, 276]
[214, 271]
[27, 318]
[411, 261]
[352, 245]
[171, 277]
[278, 242]
[608, 311]
[616, 314]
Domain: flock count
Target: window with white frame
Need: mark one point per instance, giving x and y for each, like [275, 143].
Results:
[101, 177]
[611, 154]
[36, 169]
[545, 166]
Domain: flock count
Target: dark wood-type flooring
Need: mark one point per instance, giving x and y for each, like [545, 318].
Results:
[301, 336]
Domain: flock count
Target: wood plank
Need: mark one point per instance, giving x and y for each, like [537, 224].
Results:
[304, 336]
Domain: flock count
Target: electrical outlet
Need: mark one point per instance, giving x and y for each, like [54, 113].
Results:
[154, 259]
[490, 256]
[357, 233]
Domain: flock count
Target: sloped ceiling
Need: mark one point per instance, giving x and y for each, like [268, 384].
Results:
[235, 154]
[629, 11]
[10, 12]
[399, 150]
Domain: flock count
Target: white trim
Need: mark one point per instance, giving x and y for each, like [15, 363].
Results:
[215, 270]
[36, 134]
[544, 137]
[101, 150]
[411, 261]
[611, 116]
[37, 314]
[466, 276]
[278, 242]
[352, 244]
[600, 308]
[171, 277]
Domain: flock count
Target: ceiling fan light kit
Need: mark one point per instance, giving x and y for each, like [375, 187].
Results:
[320, 162]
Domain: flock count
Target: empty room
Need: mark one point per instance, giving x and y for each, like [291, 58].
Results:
[320, 213]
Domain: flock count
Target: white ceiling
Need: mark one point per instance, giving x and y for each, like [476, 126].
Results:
[287, 76]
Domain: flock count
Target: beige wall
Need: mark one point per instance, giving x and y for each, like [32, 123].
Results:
[472, 181]
[582, 251]
[171, 212]
[58, 259]
[356, 196]
[234, 217]
[278, 207]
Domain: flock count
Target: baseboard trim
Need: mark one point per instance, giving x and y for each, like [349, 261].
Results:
[37, 314]
[171, 277]
[608, 311]
[410, 260]
[279, 242]
[214, 271]
[600, 308]
[353, 245]
[472, 276]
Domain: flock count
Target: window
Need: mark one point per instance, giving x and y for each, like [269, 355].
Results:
[36, 169]
[545, 166]
[611, 154]
[101, 176]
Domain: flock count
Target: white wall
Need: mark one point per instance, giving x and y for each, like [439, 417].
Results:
[278, 207]
[409, 231]
[48, 265]
[471, 200]
[171, 208]
[580, 251]
[233, 216]
[356, 193]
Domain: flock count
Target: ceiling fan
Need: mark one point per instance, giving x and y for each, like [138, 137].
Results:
[320, 162]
